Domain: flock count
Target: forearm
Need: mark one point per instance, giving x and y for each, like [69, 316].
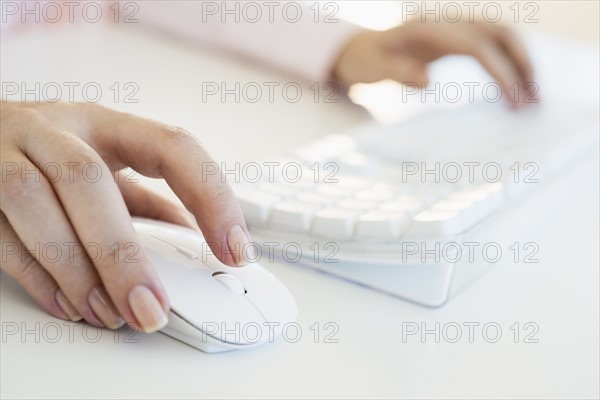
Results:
[285, 38]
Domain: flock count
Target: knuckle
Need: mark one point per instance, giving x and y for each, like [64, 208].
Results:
[16, 119]
[21, 186]
[29, 269]
[179, 136]
[83, 164]
[78, 254]
[21, 114]
[13, 251]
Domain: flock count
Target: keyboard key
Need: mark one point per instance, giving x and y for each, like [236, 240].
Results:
[293, 216]
[412, 200]
[431, 224]
[496, 192]
[382, 187]
[334, 145]
[357, 163]
[469, 213]
[255, 204]
[334, 223]
[305, 182]
[351, 182]
[314, 198]
[382, 225]
[332, 190]
[451, 205]
[471, 195]
[374, 195]
[402, 204]
[431, 193]
[279, 189]
[354, 204]
[482, 205]
[354, 160]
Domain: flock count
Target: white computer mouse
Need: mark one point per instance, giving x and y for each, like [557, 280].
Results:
[214, 307]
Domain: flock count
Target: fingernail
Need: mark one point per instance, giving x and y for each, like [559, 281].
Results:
[66, 306]
[147, 309]
[239, 246]
[104, 308]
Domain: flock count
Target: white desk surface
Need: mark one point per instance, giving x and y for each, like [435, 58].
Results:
[559, 294]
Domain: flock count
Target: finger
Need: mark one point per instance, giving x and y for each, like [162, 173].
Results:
[143, 202]
[39, 220]
[514, 48]
[407, 70]
[19, 264]
[163, 151]
[497, 63]
[99, 219]
[516, 51]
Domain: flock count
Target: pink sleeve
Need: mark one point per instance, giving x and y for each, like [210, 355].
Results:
[281, 34]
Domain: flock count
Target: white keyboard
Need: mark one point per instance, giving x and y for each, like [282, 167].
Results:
[430, 179]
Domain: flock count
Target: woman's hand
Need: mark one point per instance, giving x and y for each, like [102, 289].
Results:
[67, 235]
[402, 53]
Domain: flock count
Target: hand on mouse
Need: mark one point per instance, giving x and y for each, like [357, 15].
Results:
[402, 53]
[67, 236]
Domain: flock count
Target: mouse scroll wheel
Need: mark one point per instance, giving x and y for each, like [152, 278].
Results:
[230, 282]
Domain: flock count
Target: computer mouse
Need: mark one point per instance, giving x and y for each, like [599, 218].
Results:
[214, 307]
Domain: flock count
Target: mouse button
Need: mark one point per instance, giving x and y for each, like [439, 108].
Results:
[177, 279]
[187, 252]
[229, 319]
[187, 239]
[213, 262]
[193, 247]
[166, 256]
[233, 284]
[180, 326]
[185, 332]
[169, 248]
[268, 295]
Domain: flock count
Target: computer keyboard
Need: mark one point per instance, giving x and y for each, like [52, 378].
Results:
[433, 178]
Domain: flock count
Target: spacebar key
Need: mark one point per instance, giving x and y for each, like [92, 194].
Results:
[335, 223]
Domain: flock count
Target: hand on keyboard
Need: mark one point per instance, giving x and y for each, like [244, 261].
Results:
[431, 178]
[402, 54]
